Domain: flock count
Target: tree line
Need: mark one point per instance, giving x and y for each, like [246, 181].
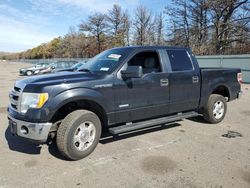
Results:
[207, 26]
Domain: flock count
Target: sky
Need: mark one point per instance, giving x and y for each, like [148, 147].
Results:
[25, 24]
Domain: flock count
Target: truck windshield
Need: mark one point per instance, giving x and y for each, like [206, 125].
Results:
[106, 62]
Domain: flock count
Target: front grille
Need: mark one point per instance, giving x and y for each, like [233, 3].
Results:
[14, 97]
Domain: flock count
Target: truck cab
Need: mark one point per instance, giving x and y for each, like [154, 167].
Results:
[159, 84]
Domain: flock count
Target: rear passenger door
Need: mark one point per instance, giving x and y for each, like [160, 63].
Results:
[184, 81]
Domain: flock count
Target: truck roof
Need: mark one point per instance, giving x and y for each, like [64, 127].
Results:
[153, 47]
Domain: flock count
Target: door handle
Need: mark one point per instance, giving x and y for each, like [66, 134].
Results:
[164, 82]
[195, 79]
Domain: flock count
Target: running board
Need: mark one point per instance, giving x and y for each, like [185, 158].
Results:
[152, 122]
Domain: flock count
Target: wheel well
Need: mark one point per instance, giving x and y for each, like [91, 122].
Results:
[81, 104]
[222, 90]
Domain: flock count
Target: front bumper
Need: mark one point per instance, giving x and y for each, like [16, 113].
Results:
[33, 131]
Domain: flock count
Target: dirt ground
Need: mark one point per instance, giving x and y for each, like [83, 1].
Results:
[189, 153]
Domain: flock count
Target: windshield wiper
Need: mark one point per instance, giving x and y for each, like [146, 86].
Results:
[84, 70]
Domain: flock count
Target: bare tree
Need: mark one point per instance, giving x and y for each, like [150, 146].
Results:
[199, 25]
[96, 26]
[159, 29]
[115, 19]
[118, 23]
[222, 13]
[242, 31]
[180, 22]
[127, 26]
[142, 23]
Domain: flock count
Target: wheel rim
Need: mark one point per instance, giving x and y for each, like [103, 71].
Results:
[218, 110]
[84, 136]
[29, 73]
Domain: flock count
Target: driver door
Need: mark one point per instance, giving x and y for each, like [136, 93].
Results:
[145, 97]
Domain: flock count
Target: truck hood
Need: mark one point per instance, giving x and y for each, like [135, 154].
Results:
[58, 78]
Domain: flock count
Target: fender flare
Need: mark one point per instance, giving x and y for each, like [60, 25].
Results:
[220, 85]
[210, 87]
[72, 95]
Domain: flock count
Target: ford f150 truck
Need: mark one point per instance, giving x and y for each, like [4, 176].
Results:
[119, 90]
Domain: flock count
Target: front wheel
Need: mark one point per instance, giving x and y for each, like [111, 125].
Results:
[215, 109]
[78, 134]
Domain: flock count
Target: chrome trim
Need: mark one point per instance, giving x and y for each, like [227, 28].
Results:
[12, 101]
[13, 93]
[123, 105]
[37, 131]
[164, 82]
[195, 79]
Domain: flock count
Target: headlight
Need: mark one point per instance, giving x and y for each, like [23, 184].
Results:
[33, 100]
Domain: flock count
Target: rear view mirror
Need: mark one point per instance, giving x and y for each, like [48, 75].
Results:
[132, 72]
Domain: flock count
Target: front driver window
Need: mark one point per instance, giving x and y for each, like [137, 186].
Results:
[149, 61]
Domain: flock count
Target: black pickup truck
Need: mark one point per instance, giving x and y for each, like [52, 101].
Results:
[119, 90]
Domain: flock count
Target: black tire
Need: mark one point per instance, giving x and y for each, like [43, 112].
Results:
[29, 73]
[208, 113]
[66, 132]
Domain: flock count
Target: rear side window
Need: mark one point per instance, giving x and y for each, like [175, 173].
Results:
[179, 60]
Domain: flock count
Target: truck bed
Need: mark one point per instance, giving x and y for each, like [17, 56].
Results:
[219, 77]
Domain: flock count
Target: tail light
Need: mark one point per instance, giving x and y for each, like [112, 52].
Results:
[239, 77]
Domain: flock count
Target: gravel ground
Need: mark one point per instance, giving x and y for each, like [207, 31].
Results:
[189, 153]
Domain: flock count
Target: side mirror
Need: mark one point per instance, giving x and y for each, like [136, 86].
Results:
[132, 72]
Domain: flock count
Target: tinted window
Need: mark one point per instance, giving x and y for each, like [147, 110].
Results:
[179, 60]
[149, 61]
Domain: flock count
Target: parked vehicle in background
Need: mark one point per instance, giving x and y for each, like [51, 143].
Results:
[58, 66]
[120, 90]
[73, 68]
[34, 69]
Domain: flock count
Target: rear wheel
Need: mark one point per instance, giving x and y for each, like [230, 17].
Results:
[215, 109]
[78, 134]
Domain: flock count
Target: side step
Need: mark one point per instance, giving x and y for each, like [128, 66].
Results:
[152, 122]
